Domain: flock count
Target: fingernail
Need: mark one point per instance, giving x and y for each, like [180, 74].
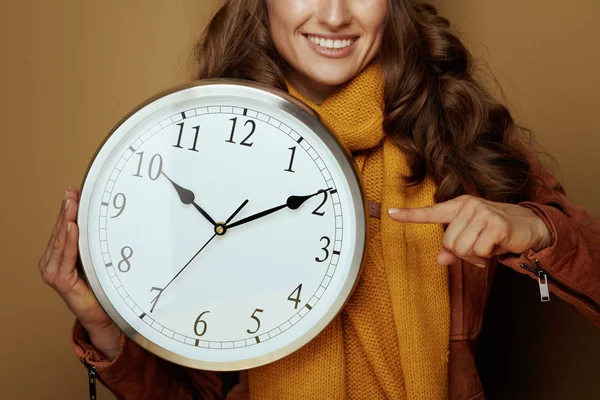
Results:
[68, 227]
[67, 193]
[67, 204]
[393, 210]
[480, 265]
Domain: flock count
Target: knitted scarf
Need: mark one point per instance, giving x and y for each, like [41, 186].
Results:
[391, 339]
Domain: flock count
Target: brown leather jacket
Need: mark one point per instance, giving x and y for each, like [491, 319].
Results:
[570, 266]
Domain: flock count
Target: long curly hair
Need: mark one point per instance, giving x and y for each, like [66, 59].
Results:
[446, 122]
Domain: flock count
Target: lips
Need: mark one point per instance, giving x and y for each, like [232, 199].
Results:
[331, 43]
[332, 46]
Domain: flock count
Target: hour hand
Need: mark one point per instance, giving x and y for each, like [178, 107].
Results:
[187, 197]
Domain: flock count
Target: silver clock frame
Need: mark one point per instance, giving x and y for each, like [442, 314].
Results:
[256, 92]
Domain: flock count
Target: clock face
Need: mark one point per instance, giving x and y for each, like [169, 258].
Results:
[222, 227]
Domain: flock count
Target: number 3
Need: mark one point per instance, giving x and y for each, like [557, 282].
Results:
[324, 249]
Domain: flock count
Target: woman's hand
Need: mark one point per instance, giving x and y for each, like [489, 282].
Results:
[479, 229]
[57, 267]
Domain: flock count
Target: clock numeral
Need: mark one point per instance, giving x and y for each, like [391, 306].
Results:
[150, 167]
[155, 300]
[296, 299]
[254, 317]
[317, 212]
[181, 126]
[121, 207]
[324, 249]
[197, 129]
[125, 259]
[243, 142]
[178, 145]
[289, 169]
[199, 321]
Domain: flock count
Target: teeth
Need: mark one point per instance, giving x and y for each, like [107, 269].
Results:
[329, 43]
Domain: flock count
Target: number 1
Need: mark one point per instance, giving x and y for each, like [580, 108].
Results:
[289, 169]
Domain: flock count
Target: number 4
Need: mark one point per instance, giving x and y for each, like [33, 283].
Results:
[297, 298]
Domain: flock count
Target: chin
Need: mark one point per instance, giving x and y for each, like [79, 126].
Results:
[331, 75]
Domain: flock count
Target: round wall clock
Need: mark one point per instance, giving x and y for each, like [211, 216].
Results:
[222, 226]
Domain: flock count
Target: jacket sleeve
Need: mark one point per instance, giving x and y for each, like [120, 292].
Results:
[136, 374]
[571, 264]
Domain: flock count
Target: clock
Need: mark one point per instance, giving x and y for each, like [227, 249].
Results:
[222, 226]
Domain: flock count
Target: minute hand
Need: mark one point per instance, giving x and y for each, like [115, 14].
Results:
[293, 203]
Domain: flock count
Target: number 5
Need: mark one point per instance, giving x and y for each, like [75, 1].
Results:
[256, 319]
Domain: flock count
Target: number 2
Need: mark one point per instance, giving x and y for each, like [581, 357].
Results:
[317, 212]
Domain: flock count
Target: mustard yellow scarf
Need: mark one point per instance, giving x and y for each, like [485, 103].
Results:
[391, 339]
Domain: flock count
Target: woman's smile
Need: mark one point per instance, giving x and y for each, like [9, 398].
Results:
[332, 46]
[326, 43]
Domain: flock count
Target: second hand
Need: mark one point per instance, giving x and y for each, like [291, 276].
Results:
[161, 290]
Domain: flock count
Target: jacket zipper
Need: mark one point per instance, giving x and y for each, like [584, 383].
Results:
[92, 378]
[544, 278]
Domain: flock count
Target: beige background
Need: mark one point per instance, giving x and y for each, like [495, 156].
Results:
[72, 68]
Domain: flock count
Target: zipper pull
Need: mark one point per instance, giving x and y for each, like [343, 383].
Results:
[91, 380]
[542, 282]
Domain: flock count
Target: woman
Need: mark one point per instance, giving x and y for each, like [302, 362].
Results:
[397, 88]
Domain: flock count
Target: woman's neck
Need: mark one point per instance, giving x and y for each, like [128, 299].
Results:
[309, 89]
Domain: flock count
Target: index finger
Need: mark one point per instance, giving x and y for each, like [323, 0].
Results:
[442, 213]
[58, 224]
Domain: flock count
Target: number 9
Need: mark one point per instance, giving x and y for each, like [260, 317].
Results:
[121, 207]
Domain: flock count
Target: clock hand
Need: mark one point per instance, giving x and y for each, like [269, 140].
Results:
[236, 211]
[161, 290]
[187, 197]
[292, 202]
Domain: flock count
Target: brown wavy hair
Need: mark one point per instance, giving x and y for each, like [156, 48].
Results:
[448, 125]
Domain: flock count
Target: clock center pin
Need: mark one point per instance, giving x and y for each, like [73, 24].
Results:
[220, 229]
